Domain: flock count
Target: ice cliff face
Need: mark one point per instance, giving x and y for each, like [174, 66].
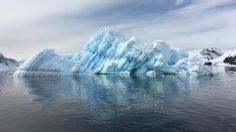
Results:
[7, 64]
[110, 52]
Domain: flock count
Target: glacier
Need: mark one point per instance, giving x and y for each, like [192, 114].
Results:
[110, 52]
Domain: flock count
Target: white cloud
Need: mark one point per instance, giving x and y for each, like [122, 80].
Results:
[27, 26]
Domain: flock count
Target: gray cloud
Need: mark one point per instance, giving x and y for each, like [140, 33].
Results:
[28, 26]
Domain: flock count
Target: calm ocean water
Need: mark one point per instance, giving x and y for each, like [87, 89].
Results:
[117, 104]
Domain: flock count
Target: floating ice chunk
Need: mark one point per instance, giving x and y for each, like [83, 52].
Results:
[46, 63]
[109, 52]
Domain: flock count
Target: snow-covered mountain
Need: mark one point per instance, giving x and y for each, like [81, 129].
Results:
[227, 59]
[7, 64]
[230, 60]
[215, 56]
[109, 52]
[206, 54]
[211, 53]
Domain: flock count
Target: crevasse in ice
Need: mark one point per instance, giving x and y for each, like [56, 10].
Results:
[110, 52]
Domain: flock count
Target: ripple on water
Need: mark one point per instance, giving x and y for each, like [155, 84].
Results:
[115, 103]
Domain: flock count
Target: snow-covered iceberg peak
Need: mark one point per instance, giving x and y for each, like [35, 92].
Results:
[110, 52]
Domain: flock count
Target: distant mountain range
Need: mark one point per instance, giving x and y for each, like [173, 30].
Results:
[7, 64]
[215, 56]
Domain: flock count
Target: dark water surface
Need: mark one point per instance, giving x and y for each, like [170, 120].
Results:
[118, 104]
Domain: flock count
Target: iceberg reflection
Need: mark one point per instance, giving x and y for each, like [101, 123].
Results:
[107, 96]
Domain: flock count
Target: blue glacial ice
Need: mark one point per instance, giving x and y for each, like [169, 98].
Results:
[47, 63]
[109, 52]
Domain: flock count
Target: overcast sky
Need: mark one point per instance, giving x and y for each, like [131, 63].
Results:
[27, 26]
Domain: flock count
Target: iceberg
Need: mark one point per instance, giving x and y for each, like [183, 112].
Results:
[109, 52]
[47, 63]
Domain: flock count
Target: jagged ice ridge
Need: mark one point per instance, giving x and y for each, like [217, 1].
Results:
[109, 52]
